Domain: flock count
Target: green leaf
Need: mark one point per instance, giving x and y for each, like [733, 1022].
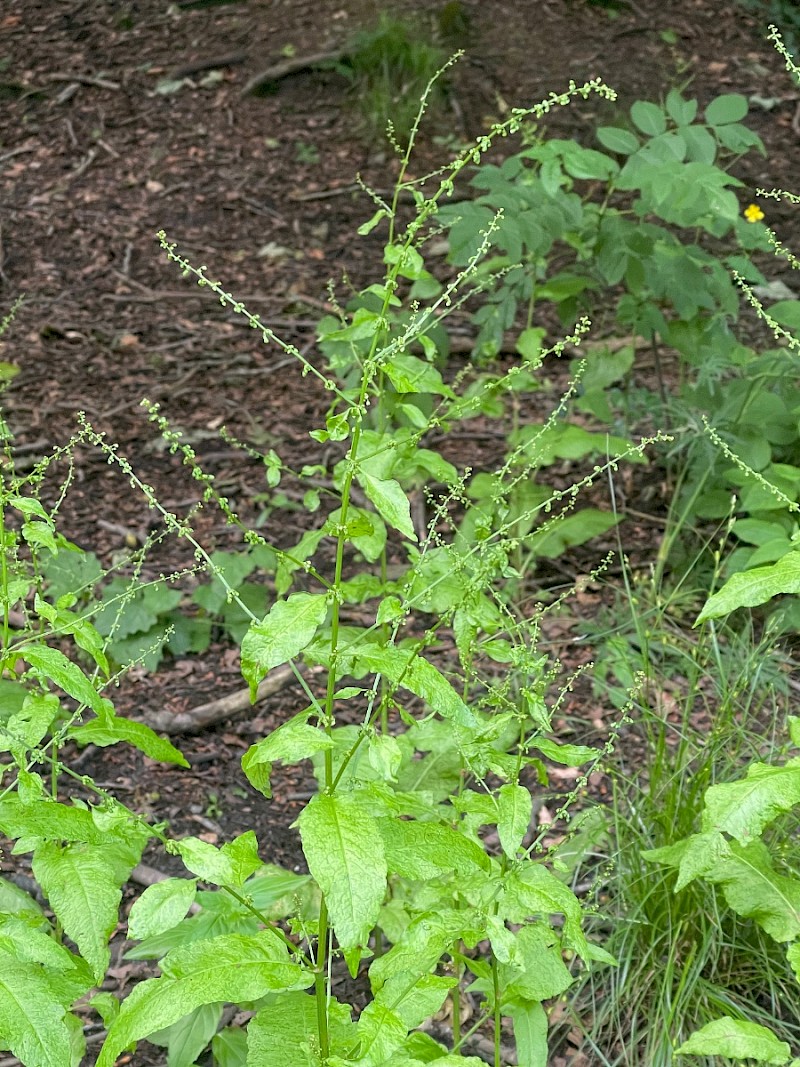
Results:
[284, 1032]
[230, 865]
[530, 1032]
[346, 858]
[742, 809]
[83, 885]
[390, 501]
[369, 226]
[110, 729]
[32, 1015]
[410, 263]
[293, 741]
[416, 674]
[160, 907]
[648, 117]
[229, 1047]
[737, 1040]
[420, 948]
[571, 530]
[730, 107]
[281, 635]
[568, 755]
[514, 810]
[426, 850]
[52, 665]
[186, 1038]
[682, 112]
[232, 968]
[381, 1031]
[539, 971]
[410, 374]
[756, 891]
[787, 314]
[750, 588]
[415, 998]
[618, 140]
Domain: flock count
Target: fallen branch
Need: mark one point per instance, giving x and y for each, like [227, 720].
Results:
[192, 722]
[291, 66]
[214, 63]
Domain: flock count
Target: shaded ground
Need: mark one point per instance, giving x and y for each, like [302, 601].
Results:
[95, 157]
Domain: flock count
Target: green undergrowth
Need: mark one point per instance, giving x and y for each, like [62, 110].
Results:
[429, 718]
[710, 703]
[428, 733]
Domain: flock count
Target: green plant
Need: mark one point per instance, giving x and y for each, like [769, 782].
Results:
[390, 66]
[658, 245]
[422, 748]
[706, 707]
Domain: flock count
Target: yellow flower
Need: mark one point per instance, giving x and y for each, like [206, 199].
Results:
[753, 213]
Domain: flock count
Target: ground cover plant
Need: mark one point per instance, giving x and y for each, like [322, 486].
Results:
[426, 748]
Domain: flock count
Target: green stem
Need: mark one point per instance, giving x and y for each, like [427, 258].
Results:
[320, 984]
[496, 1012]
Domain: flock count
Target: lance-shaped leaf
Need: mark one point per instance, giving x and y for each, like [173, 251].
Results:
[54, 665]
[390, 501]
[281, 635]
[109, 729]
[755, 890]
[161, 907]
[233, 968]
[514, 809]
[83, 885]
[33, 1016]
[345, 855]
[530, 1031]
[750, 588]
[285, 1031]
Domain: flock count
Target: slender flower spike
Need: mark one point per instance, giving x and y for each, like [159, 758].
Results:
[753, 213]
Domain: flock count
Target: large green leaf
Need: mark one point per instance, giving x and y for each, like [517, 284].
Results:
[54, 666]
[390, 501]
[108, 729]
[294, 740]
[538, 972]
[737, 1040]
[419, 949]
[284, 1031]
[32, 1015]
[425, 850]
[48, 820]
[742, 809]
[346, 857]
[281, 635]
[382, 1032]
[530, 1032]
[230, 865]
[83, 885]
[755, 890]
[750, 588]
[233, 968]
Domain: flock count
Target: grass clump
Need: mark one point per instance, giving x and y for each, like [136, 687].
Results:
[389, 67]
[683, 958]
